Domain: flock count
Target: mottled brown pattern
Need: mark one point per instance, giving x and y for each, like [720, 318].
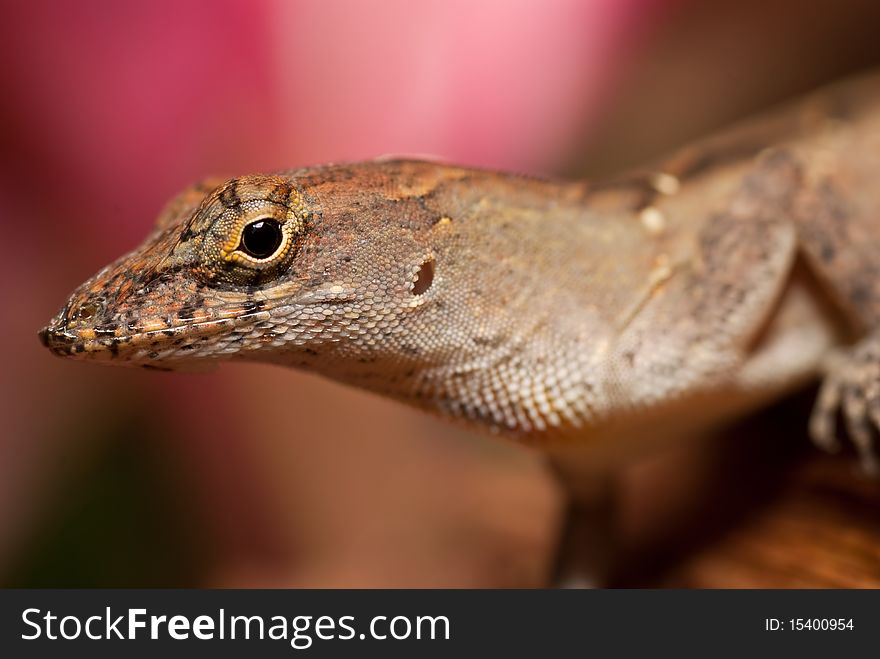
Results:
[635, 309]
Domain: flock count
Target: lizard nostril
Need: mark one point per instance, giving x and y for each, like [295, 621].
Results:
[86, 311]
[424, 278]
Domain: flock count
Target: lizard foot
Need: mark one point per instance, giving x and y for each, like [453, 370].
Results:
[851, 389]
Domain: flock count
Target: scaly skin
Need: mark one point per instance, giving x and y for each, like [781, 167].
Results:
[557, 313]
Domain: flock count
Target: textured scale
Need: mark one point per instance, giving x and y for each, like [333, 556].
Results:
[557, 313]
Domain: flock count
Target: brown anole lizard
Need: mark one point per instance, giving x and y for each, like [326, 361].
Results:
[584, 318]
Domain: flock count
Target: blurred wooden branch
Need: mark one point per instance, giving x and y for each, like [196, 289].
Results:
[759, 508]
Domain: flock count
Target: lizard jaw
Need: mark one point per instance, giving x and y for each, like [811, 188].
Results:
[106, 351]
[156, 347]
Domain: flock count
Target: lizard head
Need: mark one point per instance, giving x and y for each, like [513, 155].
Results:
[283, 268]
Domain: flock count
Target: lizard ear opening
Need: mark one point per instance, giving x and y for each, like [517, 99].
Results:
[424, 278]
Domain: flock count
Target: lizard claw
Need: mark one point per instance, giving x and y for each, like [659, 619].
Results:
[851, 388]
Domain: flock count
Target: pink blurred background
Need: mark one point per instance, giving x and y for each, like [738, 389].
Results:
[255, 475]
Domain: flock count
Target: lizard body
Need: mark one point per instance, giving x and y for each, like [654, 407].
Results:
[572, 315]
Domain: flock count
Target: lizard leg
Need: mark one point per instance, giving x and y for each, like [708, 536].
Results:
[851, 389]
[589, 541]
[837, 216]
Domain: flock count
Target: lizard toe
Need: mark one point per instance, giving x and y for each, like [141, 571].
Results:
[852, 390]
[823, 426]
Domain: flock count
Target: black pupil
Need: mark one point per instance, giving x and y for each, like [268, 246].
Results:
[260, 239]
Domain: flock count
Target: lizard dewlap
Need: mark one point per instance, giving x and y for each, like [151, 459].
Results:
[556, 313]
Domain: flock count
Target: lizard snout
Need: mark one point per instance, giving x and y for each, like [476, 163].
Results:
[75, 329]
[57, 340]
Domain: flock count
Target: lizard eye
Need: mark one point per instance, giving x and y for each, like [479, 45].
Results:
[261, 238]
[254, 227]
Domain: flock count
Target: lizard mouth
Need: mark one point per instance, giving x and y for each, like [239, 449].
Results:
[56, 341]
[150, 329]
[86, 343]
[64, 342]
[84, 330]
[151, 342]
[142, 350]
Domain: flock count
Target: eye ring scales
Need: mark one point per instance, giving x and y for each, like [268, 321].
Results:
[256, 226]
